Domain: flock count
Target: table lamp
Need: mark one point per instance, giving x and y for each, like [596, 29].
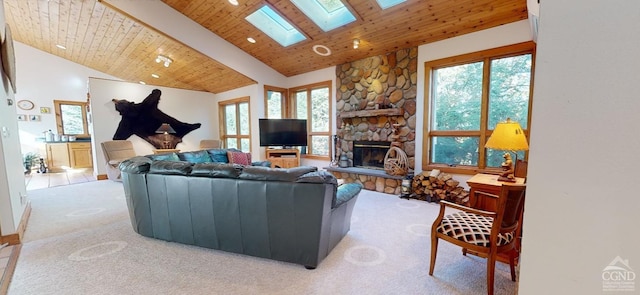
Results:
[166, 129]
[508, 136]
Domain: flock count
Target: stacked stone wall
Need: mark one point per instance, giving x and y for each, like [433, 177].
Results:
[378, 82]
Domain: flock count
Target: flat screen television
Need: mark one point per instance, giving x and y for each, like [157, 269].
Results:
[283, 132]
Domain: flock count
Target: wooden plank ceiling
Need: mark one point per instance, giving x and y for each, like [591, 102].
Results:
[114, 43]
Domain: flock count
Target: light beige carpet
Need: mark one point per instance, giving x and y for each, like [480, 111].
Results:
[79, 241]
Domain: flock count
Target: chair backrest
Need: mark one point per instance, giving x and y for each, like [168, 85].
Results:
[210, 144]
[512, 200]
[520, 169]
[118, 150]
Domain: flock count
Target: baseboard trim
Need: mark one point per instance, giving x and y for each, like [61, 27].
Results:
[102, 177]
[16, 238]
[5, 279]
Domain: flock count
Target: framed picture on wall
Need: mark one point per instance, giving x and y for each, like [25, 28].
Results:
[34, 118]
[22, 117]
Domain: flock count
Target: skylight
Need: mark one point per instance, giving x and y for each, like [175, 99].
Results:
[384, 4]
[327, 14]
[276, 27]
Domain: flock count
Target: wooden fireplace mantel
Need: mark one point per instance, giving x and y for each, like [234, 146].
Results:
[372, 113]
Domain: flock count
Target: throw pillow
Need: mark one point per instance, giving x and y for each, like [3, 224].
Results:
[195, 157]
[239, 158]
[218, 155]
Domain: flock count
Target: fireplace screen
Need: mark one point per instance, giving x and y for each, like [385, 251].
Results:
[370, 154]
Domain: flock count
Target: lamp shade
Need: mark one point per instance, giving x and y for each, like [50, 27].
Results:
[508, 136]
[165, 128]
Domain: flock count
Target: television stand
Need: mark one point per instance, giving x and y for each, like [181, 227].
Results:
[283, 158]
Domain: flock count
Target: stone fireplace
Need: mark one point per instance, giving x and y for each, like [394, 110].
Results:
[376, 110]
[370, 154]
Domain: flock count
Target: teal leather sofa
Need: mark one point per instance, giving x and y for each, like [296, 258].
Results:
[295, 215]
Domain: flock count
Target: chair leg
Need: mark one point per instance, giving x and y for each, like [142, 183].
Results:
[434, 250]
[491, 267]
[512, 264]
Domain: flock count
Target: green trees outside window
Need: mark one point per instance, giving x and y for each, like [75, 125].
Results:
[469, 95]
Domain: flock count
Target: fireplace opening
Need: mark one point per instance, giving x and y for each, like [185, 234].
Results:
[370, 154]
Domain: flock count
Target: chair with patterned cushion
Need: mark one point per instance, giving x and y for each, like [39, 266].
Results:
[482, 232]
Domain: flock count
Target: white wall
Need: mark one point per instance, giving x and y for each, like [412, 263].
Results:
[582, 208]
[13, 194]
[184, 105]
[43, 77]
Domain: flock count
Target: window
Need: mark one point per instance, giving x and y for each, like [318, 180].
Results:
[235, 124]
[275, 26]
[71, 117]
[313, 102]
[310, 102]
[275, 102]
[469, 95]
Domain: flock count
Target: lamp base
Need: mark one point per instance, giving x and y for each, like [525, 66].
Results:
[506, 179]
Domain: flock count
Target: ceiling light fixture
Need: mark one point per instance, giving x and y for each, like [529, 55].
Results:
[321, 50]
[251, 40]
[234, 2]
[356, 43]
[142, 82]
[61, 46]
[163, 59]
[155, 76]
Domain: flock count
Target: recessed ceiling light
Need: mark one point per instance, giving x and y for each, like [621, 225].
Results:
[356, 43]
[142, 82]
[61, 46]
[234, 2]
[321, 50]
[251, 40]
[155, 76]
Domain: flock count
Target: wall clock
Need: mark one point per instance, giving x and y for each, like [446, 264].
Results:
[25, 104]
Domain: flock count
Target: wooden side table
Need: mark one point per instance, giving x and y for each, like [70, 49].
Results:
[489, 183]
[165, 151]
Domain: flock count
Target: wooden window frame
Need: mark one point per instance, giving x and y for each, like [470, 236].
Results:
[58, 111]
[284, 108]
[484, 133]
[222, 121]
[292, 103]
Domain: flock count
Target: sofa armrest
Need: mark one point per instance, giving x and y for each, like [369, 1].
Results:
[135, 165]
[347, 192]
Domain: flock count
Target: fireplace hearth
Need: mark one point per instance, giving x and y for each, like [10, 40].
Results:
[370, 154]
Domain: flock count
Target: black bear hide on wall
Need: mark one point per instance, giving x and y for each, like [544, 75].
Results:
[143, 119]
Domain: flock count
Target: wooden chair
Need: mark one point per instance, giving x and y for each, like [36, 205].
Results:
[484, 233]
[206, 144]
[116, 151]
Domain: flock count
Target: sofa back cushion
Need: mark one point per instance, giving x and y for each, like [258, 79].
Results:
[221, 170]
[195, 157]
[239, 158]
[170, 167]
[275, 174]
[165, 157]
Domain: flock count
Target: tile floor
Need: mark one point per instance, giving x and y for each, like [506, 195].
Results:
[70, 176]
